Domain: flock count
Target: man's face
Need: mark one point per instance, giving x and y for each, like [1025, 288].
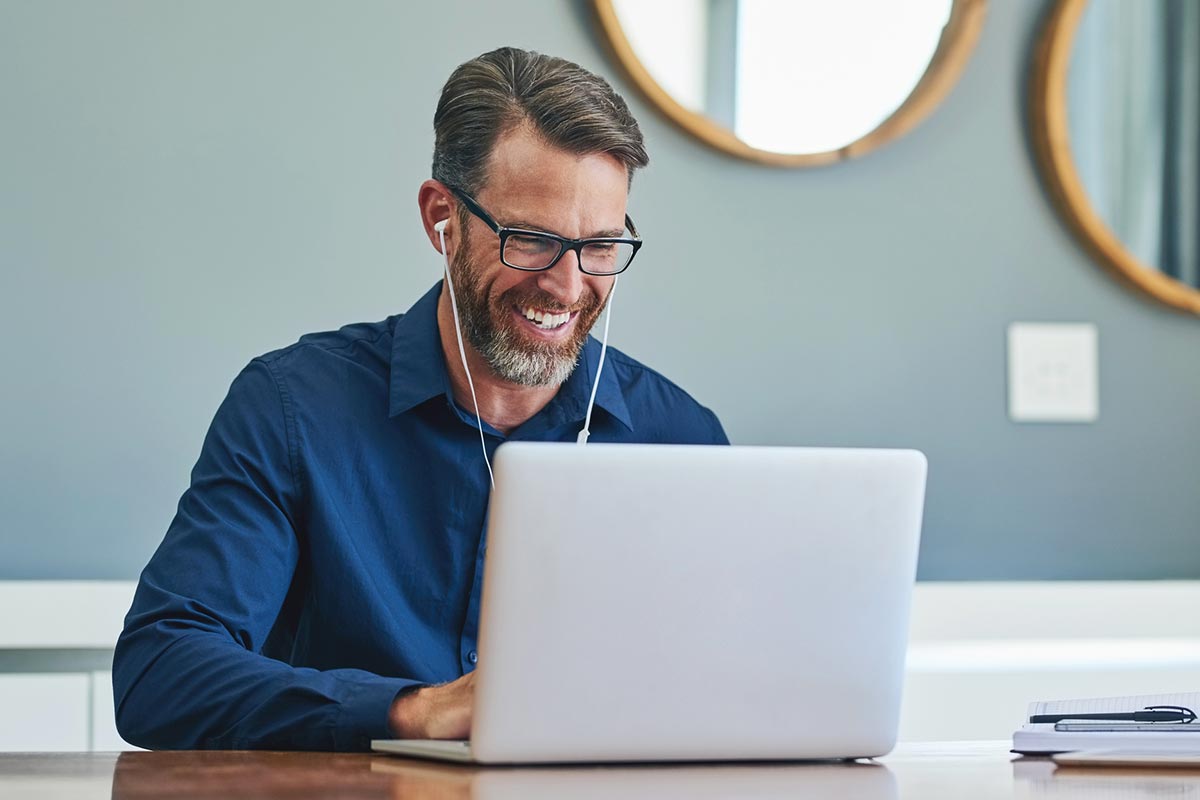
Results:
[535, 186]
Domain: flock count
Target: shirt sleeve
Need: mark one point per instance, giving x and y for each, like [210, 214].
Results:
[716, 430]
[189, 671]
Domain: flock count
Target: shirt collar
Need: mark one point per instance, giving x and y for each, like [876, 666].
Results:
[418, 366]
[570, 404]
[418, 370]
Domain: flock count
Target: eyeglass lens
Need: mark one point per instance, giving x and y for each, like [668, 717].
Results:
[530, 251]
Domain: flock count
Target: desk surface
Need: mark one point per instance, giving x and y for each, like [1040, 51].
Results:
[944, 770]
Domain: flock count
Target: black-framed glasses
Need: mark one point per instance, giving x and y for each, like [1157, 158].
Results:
[535, 251]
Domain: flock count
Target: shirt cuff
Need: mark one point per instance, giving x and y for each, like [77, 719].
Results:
[364, 713]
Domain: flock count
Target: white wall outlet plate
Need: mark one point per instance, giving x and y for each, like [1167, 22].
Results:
[1052, 372]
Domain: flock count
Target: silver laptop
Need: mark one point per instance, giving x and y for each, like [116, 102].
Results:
[692, 603]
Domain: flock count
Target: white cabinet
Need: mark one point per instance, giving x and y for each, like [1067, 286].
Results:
[52, 696]
[104, 719]
[45, 711]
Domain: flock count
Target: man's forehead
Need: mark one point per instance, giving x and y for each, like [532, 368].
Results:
[530, 182]
[557, 213]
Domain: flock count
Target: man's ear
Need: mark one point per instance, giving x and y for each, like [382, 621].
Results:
[436, 204]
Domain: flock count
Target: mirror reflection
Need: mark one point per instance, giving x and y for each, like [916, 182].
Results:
[787, 76]
[1133, 113]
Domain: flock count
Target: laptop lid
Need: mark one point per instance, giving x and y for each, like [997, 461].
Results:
[655, 603]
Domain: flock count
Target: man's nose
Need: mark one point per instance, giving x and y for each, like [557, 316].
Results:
[564, 280]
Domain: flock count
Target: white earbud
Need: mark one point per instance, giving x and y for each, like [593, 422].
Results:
[440, 225]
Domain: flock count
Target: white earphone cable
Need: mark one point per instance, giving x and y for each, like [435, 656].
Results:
[462, 353]
[585, 432]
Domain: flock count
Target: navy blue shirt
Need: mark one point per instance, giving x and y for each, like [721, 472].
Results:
[329, 551]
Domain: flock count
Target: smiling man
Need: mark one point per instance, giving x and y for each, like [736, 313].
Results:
[320, 583]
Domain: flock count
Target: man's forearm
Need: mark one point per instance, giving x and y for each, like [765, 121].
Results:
[197, 689]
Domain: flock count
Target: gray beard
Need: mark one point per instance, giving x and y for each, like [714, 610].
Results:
[513, 362]
[508, 356]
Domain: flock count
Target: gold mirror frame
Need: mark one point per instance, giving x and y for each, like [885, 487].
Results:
[1052, 144]
[954, 48]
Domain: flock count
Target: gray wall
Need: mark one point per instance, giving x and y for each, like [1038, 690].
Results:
[184, 185]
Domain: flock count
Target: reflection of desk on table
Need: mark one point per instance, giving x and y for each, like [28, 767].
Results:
[978, 770]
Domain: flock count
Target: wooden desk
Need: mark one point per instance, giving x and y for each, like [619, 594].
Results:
[976, 770]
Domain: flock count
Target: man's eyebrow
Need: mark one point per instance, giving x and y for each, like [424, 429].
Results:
[530, 226]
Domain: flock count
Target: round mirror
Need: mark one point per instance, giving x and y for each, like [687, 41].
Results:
[793, 82]
[1116, 126]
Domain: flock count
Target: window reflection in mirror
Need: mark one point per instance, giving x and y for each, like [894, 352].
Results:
[787, 76]
[1133, 112]
[1114, 120]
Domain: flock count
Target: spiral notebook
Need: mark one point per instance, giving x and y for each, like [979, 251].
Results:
[1045, 738]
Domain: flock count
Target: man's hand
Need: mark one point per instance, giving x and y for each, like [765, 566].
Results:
[435, 712]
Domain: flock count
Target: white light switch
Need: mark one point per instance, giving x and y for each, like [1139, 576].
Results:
[1052, 372]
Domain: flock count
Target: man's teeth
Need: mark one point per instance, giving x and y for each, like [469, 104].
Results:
[545, 320]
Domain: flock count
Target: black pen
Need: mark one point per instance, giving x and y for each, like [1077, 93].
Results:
[1148, 714]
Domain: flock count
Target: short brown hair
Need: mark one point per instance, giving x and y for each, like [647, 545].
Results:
[570, 107]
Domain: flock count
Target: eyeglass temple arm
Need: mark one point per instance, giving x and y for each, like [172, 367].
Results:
[475, 209]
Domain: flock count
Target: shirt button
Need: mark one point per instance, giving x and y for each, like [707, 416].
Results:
[473, 657]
